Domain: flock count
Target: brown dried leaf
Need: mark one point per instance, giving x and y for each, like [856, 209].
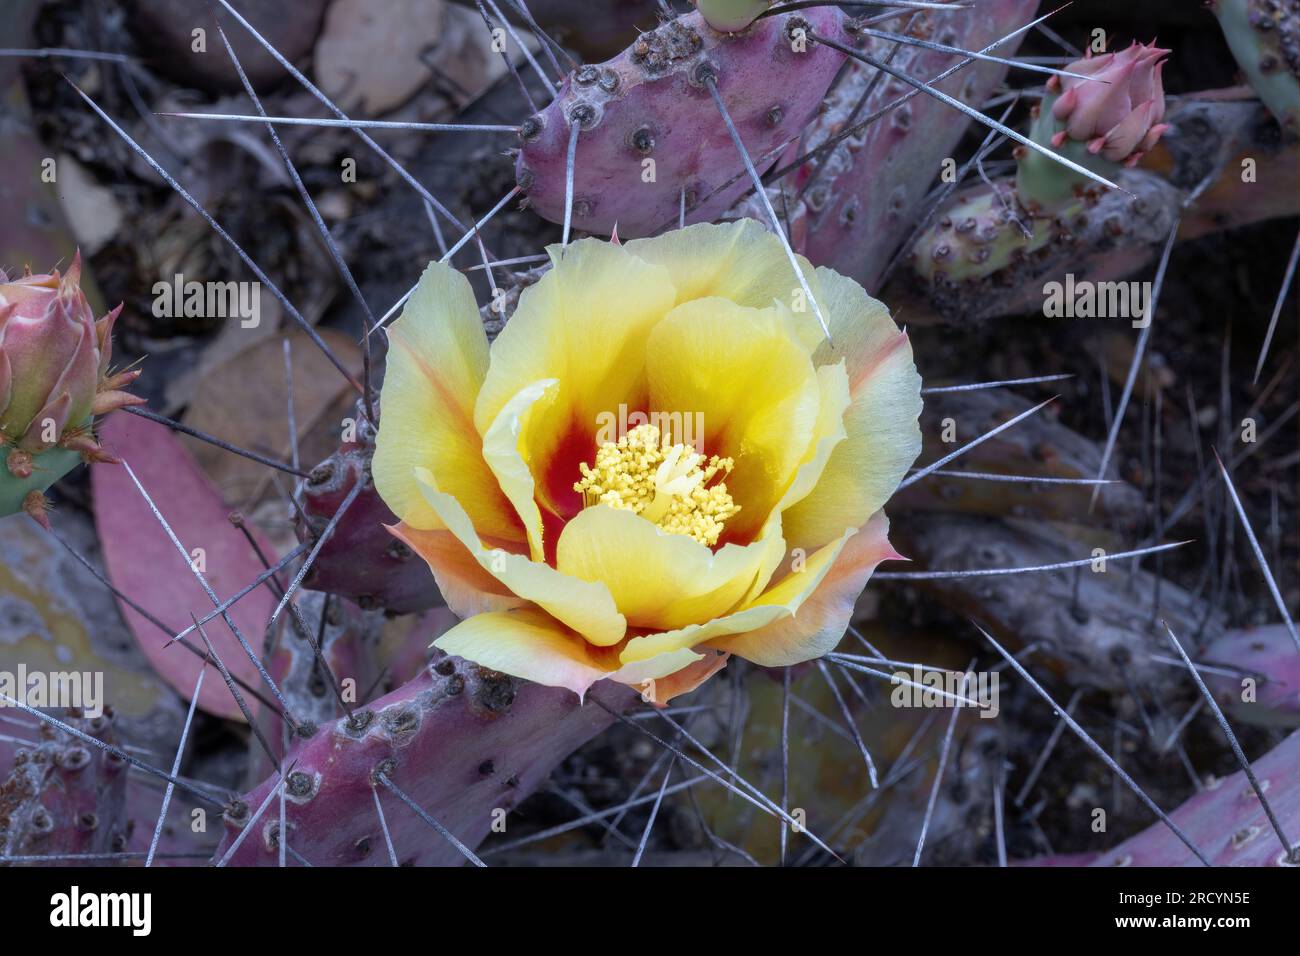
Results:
[243, 401]
[368, 57]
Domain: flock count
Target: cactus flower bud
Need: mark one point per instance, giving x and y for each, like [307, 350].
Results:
[54, 379]
[730, 15]
[1118, 112]
[1104, 122]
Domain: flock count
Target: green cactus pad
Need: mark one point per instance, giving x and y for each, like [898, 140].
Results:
[1262, 35]
[47, 468]
[1045, 184]
[976, 235]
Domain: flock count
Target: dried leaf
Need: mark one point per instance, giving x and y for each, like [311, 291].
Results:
[143, 563]
[368, 57]
[242, 400]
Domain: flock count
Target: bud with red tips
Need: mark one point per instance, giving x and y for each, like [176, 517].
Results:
[1118, 112]
[1104, 120]
[54, 378]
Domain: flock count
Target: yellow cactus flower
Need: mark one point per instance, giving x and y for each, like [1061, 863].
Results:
[660, 462]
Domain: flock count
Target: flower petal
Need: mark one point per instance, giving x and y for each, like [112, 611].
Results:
[528, 644]
[585, 324]
[779, 601]
[437, 358]
[884, 437]
[741, 261]
[829, 431]
[1123, 138]
[71, 397]
[818, 624]
[502, 453]
[660, 690]
[659, 580]
[586, 607]
[645, 675]
[751, 379]
[463, 583]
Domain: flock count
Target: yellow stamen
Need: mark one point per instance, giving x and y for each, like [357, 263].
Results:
[666, 484]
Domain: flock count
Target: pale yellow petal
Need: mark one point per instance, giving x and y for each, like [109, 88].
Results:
[501, 450]
[827, 434]
[779, 601]
[437, 358]
[530, 645]
[585, 324]
[860, 325]
[659, 580]
[741, 261]
[660, 690]
[644, 674]
[463, 583]
[817, 623]
[752, 380]
[883, 436]
[584, 606]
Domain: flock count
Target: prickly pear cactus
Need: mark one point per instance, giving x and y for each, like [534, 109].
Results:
[1105, 119]
[1264, 36]
[1255, 674]
[54, 378]
[983, 231]
[858, 199]
[360, 560]
[489, 740]
[63, 797]
[1226, 820]
[649, 135]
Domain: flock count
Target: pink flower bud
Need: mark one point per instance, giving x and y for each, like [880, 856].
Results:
[1118, 111]
[50, 358]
